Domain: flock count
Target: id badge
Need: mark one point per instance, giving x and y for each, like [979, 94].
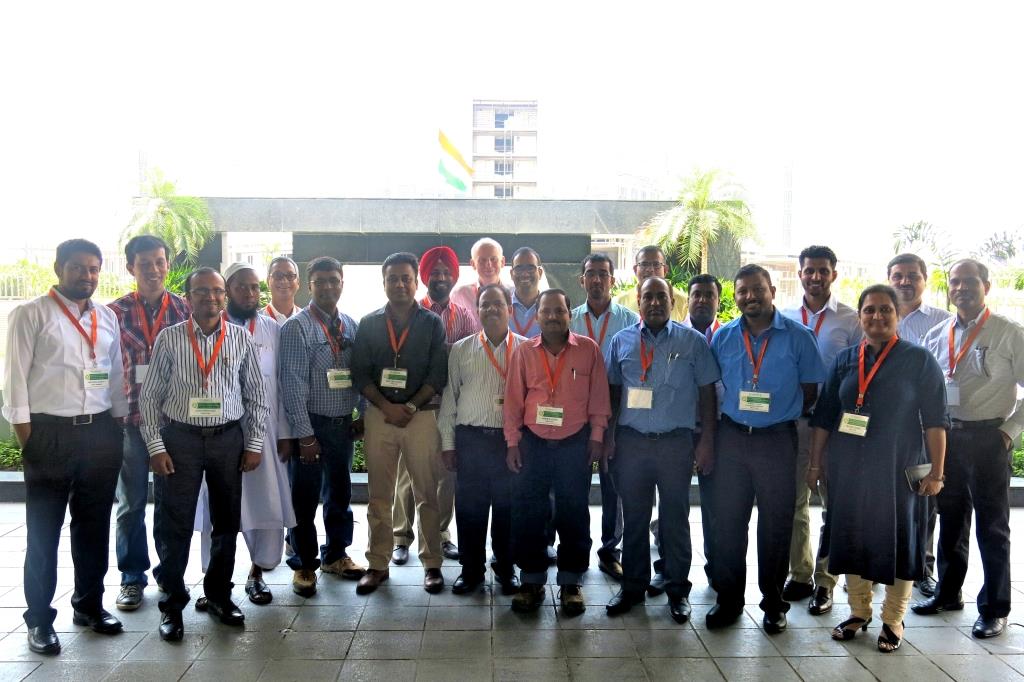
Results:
[639, 398]
[95, 378]
[854, 424]
[140, 373]
[755, 401]
[549, 415]
[339, 378]
[205, 407]
[394, 377]
[499, 402]
[952, 393]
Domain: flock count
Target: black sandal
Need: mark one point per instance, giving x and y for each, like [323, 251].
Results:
[888, 642]
[844, 633]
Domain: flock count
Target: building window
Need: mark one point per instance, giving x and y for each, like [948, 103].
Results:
[500, 118]
[503, 168]
[503, 144]
[503, 191]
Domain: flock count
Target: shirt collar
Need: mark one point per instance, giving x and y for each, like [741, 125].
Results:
[431, 303]
[538, 341]
[315, 310]
[73, 305]
[644, 329]
[777, 321]
[516, 301]
[831, 304]
[607, 311]
[199, 330]
[971, 323]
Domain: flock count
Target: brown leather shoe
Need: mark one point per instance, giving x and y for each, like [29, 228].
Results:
[433, 581]
[371, 581]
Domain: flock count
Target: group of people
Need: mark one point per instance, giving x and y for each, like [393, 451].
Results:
[492, 405]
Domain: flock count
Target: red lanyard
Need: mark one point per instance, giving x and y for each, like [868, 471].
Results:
[341, 332]
[251, 326]
[645, 361]
[149, 333]
[427, 303]
[817, 325]
[509, 347]
[604, 326]
[710, 331]
[270, 312]
[750, 355]
[206, 367]
[515, 320]
[396, 345]
[553, 378]
[955, 360]
[862, 381]
[90, 337]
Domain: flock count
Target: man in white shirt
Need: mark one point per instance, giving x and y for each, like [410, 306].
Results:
[982, 355]
[908, 275]
[65, 398]
[487, 259]
[283, 282]
[835, 326]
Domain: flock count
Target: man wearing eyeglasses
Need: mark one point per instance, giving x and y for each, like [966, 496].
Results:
[650, 261]
[283, 281]
[526, 274]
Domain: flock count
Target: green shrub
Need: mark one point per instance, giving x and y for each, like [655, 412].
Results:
[10, 455]
[1017, 466]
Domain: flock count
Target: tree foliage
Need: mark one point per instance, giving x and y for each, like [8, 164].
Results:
[182, 221]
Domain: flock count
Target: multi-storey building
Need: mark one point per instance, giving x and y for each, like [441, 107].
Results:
[504, 149]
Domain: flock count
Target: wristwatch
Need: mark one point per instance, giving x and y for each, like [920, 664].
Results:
[412, 406]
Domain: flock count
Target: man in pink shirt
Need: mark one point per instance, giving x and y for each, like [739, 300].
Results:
[556, 411]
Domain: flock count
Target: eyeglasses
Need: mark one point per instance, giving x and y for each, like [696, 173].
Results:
[203, 292]
[650, 265]
[283, 276]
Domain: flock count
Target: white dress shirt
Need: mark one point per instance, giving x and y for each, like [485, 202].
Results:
[840, 328]
[989, 372]
[47, 356]
[916, 325]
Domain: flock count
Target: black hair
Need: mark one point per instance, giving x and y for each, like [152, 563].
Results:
[878, 289]
[752, 269]
[400, 258]
[144, 242]
[649, 247]
[704, 279]
[905, 258]
[553, 292]
[488, 287]
[319, 264]
[72, 246]
[597, 258]
[982, 269]
[524, 250]
[819, 252]
[204, 270]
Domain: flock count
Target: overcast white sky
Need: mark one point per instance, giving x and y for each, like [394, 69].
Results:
[888, 112]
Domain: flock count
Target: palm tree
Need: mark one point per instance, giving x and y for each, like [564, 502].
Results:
[933, 245]
[183, 222]
[708, 209]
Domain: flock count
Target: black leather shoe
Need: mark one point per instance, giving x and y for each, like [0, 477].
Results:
[464, 586]
[101, 622]
[399, 555]
[722, 617]
[774, 623]
[225, 611]
[623, 601]
[657, 585]
[433, 580]
[171, 627]
[932, 605]
[509, 583]
[984, 628]
[821, 602]
[680, 609]
[258, 591]
[43, 640]
[926, 586]
[794, 591]
[450, 550]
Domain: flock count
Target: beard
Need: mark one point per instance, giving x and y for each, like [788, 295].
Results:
[241, 312]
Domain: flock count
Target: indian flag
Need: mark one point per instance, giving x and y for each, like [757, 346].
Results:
[452, 159]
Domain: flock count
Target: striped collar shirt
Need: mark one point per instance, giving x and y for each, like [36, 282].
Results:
[174, 378]
[474, 386]
[306, 355]
[839, 329]
[135, 351]
[458, 323]
[524, 318]
[618, 318]
[46, 357]
[916, 325]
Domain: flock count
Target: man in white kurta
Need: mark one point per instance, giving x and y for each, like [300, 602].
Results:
[266, 493]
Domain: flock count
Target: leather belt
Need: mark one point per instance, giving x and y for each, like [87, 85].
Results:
[979, 424]
[332, 421]
[77, 420]
[204, 431]
[754, 430]
[674, 433]
[485, 430]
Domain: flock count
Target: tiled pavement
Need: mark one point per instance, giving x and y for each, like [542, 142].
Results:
[402, 633]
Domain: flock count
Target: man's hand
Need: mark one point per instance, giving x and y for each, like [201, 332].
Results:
[448, 457]
[285, 449]
[161, 464]
[1007, 441]
[309, 450]
[357, 429]
[609, 452]
[704, 456]
[22, 433]
[815, 475]
[397, 415]
[514, 460]
[250, 461]
[595, 449]
[932, 486]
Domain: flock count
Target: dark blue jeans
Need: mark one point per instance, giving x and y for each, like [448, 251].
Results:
[562, 466]
[132, 494]
[330, 479]
[611, 518]
[483, 489]
[642, 465]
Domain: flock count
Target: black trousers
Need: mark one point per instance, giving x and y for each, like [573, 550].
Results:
[642, 465]
[978, 479]
[562, 466]
[749, 466]
[611, 518]
[328, 479]
[219, 457]
[483, 489]
[72, 467]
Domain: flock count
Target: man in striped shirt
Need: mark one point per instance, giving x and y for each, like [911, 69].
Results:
[204, 381]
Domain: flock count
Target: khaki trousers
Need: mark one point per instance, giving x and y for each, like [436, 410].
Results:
[803, 564]
[894, 607]
[405, 505]
[419, 445]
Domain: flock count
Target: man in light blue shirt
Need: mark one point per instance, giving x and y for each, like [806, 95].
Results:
[526, 274]
[770, 375]
[659, 371]
[600, 319]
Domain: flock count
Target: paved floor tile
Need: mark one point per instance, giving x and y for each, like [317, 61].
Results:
[219, 671]
[669, 669]
[240, 645]
[312, 645]
[678, 643]
[543, 618]
[527, 644]
[443, 644]
[515, 669]
[57, 669]
[618, 669]
[150, 671]
[458, 618]
[756, 669]
[931, 641]
[741, 642]
[830, 668]
[152, 648]
[808, 642]
[327, 618]
[378, 671]
[974, 667]
[301, 671]
[390, 618]
[13, 672]
[598, 643]
[454, 669]
[385, 645]
[902, 668]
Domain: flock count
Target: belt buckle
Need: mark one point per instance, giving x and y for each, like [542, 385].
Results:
[208, 431]
[81, 420]
[748, 429]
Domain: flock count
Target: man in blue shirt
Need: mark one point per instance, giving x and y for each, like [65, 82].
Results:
[600, 319]
[658, 370]
[526, 274]
[770, 372]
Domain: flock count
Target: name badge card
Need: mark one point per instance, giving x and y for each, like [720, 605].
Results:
[854, 424]
[95, 378]
[952, 393]
[205, 407]
[499, 402]
[140, 373]
[549, 415]
[755, 401]
[339, 378]
[639, 398]
[394, 377]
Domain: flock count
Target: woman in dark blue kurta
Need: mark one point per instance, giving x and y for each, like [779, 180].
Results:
[877, 525]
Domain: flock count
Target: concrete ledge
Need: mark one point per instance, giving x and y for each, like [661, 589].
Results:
[12, 489]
